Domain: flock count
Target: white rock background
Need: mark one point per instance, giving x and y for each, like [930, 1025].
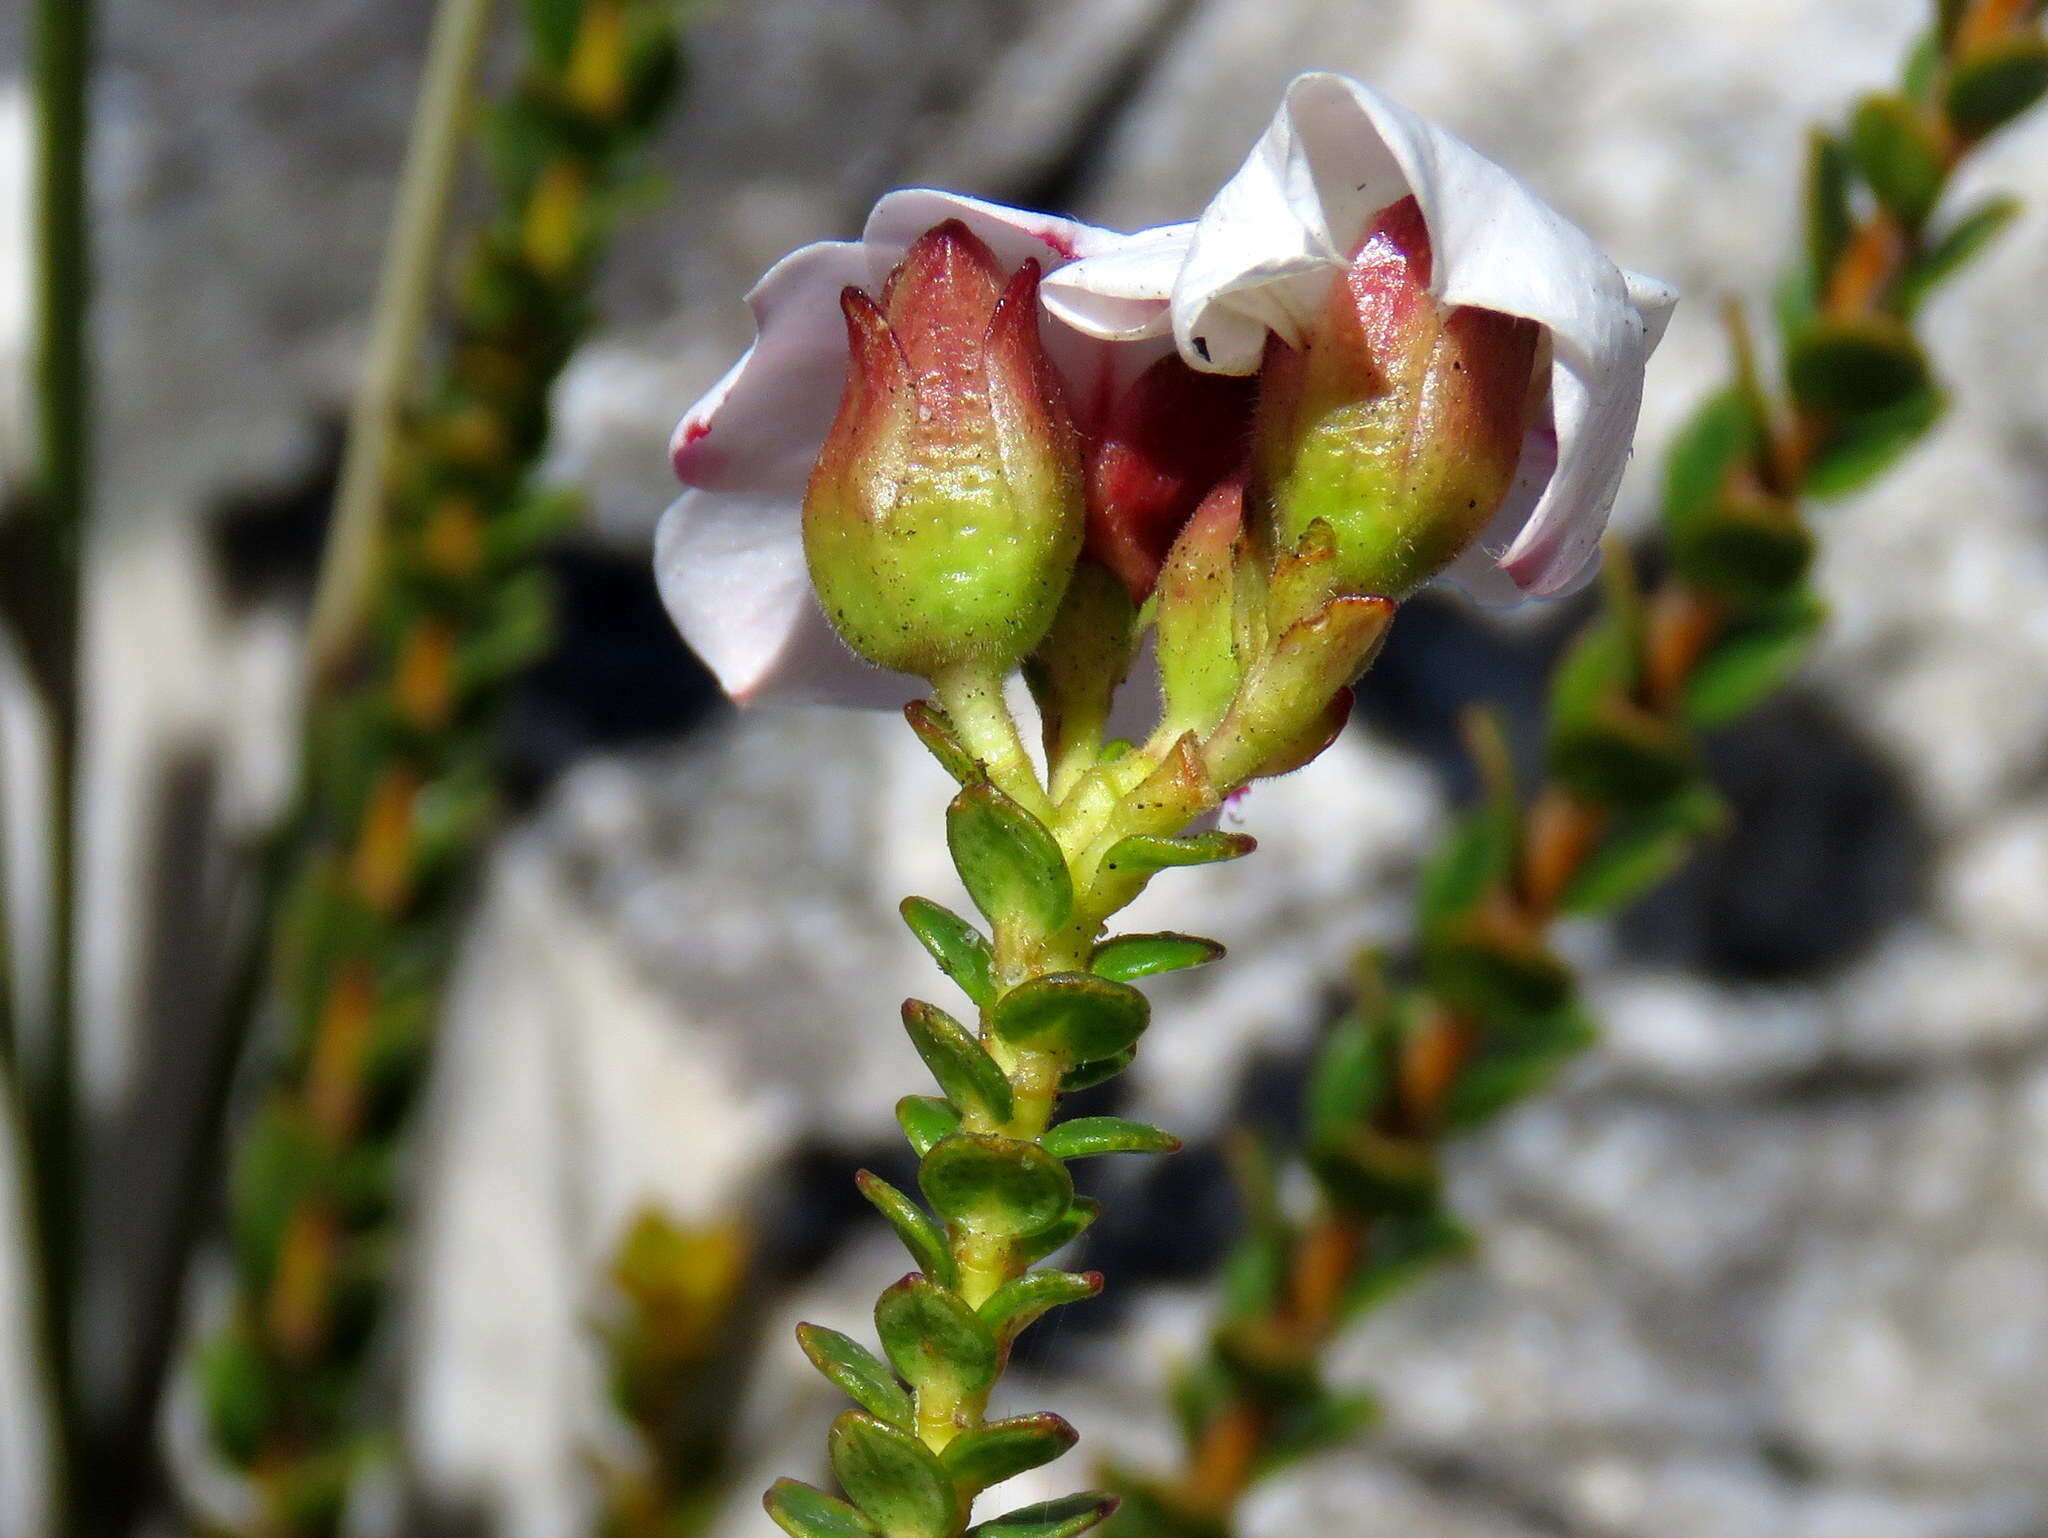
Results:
[1771, 1262]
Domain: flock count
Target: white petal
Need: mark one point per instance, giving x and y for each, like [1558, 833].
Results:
[1338, 152]
[731, 573]
[1122, 293]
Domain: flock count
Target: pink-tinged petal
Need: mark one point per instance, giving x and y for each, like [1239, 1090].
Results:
[757, 430]
[1015, 235]
[730, 569]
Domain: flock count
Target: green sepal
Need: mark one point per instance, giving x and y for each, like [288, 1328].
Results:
[1855, 364]
[1011, 866]
[1075, 673]
[1101, 1071]
[1195, 630]
[804, 1512]
[1828, 215]
[934, 729]
[1642, 850]
[1997, 81]
[1753, 658]
[1126, 958]
[1148, 852]
[995, 1185]
[1899, 157]
[925, 1120]
[1516, 1062]
[1857, 450]
[1018, 1305]
[1959, 245]
[1086, 1136]
[1081, 1017]
[1081, 1213]
[935, 1340]
[920, 1235]
[972, 1079]
[961, 950]
[858, 1373]
[894, 1478]
[1068, 1517]
[999, 1450]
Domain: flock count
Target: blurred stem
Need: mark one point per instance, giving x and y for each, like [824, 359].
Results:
[60, 46]
[404, 298]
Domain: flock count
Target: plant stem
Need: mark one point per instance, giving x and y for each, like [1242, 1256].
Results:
[60, 50]
[405, 293]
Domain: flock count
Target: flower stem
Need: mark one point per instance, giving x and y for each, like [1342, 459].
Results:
[61, 45]
[405, 292]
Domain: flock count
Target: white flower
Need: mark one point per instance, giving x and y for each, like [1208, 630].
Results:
[1262, 256]
[729, 554]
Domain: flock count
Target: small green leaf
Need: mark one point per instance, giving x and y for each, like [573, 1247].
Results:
[1623, 757]
[934, 729]
[1068, 1517]
[1480, 974]
[1857, 450]
[1962, 243]
[1147, 852]
[1371, 1173]
[995, 1185]
[935, 1340]
[1753, 659]
[1518, 1063]
[1081, 1017]
[1948, 16]
[1642, 851]
[925, 1120]
[1322, 1421]
[971, 1078]
[1018, 1305]
[1477, 854]
[552, 26]
[894, 1478]
[857, 1373]
[1086, 1136]
[1707, 448]
[920, 1235]
[1088, 1075]
[1011, 866]
[1070, 1225]
[803, 1512]
[959, 948]
[1748, 551]
[1997, 81]
[1923, 65]
[1828, 217]
[1127, 958]
[1348, 1078]
[1405, 1249]
[1000, 1450]
[1855, 364]
[1896, 151]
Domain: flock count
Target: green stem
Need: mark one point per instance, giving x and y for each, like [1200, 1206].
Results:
[61, 45]
[405, 293]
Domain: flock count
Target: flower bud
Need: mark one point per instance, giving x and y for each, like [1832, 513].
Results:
[945, 512]
[1167, 442]
[1396, 424]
